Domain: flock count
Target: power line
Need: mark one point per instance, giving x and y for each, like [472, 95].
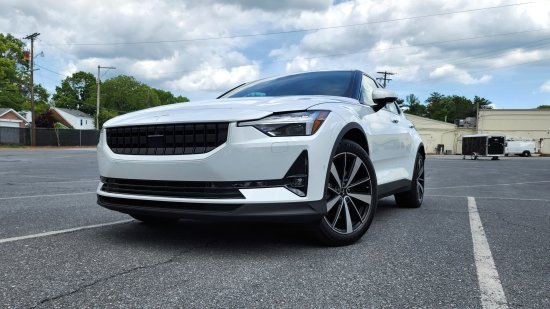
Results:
[385, 79]
[295, 31]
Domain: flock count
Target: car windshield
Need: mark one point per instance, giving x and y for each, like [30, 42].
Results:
[335, 83]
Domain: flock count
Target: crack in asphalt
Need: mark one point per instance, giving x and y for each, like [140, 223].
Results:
[79, 289]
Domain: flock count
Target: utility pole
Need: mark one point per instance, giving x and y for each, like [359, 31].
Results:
[33, 118]
[99, 93]
[384, 79]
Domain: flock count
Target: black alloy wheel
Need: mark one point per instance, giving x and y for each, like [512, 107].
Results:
[351, 195]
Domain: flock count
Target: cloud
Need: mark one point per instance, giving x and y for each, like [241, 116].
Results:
[545, 87]
[183, 52]
[449, 71]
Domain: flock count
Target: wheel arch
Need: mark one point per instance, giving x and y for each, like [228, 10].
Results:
[352, 131]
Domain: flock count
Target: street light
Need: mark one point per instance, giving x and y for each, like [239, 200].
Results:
[98, 93]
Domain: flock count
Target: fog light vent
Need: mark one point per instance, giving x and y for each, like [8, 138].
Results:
[296, 177]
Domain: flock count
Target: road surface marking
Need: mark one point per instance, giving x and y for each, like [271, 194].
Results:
[5, 240]
[493, 198]
[494, 185]
[492, 294]
[45, 195]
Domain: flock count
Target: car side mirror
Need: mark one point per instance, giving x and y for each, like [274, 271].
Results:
[381, 97]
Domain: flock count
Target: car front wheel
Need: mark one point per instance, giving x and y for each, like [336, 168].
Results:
[351, 196]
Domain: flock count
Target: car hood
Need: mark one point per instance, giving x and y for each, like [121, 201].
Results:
[221, 110]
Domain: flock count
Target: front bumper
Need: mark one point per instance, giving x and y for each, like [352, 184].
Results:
[247, 155]
[273, 212]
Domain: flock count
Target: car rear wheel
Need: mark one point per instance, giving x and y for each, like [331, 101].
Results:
[351, 196]
[414, 197]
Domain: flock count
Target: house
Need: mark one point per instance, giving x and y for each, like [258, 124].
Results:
[10, 118]
[73, 118]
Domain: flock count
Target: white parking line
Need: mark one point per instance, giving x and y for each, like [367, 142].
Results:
[494, 185]
[493, 198]
[5, 240]
[492, 294]
[45, 195]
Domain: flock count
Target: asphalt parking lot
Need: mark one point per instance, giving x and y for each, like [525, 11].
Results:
[481, 237]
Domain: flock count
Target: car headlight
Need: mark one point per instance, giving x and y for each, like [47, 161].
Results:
[289, 124]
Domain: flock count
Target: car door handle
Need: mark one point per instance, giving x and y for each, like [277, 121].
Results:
[395, 120]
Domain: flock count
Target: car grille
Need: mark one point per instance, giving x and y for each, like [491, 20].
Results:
[179, 189]
[167, 139]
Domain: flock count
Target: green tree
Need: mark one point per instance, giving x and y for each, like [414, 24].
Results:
[41, 100]
[414, 106]
[125, 94]
[166, 97]
[483, 103]
[14, 78]
[105, 114]
[77, 91]
[543, 107]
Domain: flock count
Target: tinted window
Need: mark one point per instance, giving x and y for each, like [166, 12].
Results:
[367, 86]
[339, 83]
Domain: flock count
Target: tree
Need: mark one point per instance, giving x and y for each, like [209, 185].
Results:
[482, 102]
[41, 100]
[543, 107]
[125, 94]
[77, 91]
[449, 108]
[166, 97]
[14, 79]
[414, 107]
[45, 120]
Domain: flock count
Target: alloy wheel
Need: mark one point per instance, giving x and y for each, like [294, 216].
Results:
[349, 193]
[420, 179]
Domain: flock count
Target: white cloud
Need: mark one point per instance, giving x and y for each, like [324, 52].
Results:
[545, 87]
[215, 79]
[419, 50]
[449, 71]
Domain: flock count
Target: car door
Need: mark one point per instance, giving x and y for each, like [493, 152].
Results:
[389, 138]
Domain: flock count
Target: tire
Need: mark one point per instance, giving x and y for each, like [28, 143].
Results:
[351, 195]
[526, 154]
[153, 220]
[415, 196]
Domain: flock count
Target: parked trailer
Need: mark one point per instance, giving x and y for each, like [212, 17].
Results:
[483, 145]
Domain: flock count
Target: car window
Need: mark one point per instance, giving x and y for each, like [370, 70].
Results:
[336, 83]
[392, 107]
[367, 86]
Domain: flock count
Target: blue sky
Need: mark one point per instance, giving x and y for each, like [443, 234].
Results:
[495, 49]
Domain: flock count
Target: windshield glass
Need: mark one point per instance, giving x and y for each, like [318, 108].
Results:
[335, 83]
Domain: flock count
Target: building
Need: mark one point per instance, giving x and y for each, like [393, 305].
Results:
[12, 119]
[518, 123]
[72, 118]
[441, 137]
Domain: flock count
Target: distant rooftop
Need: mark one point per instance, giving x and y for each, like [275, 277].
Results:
[73, 112]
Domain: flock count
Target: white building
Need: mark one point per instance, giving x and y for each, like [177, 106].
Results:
[73, 118]
[532, 124]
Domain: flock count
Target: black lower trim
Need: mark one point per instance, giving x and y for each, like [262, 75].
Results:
[288, 212]
[394, 187]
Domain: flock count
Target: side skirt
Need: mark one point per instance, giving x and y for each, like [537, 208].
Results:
[394, 187]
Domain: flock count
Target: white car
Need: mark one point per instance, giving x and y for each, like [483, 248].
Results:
[317, 147]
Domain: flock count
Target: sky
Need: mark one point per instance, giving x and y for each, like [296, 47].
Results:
[499, 50]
